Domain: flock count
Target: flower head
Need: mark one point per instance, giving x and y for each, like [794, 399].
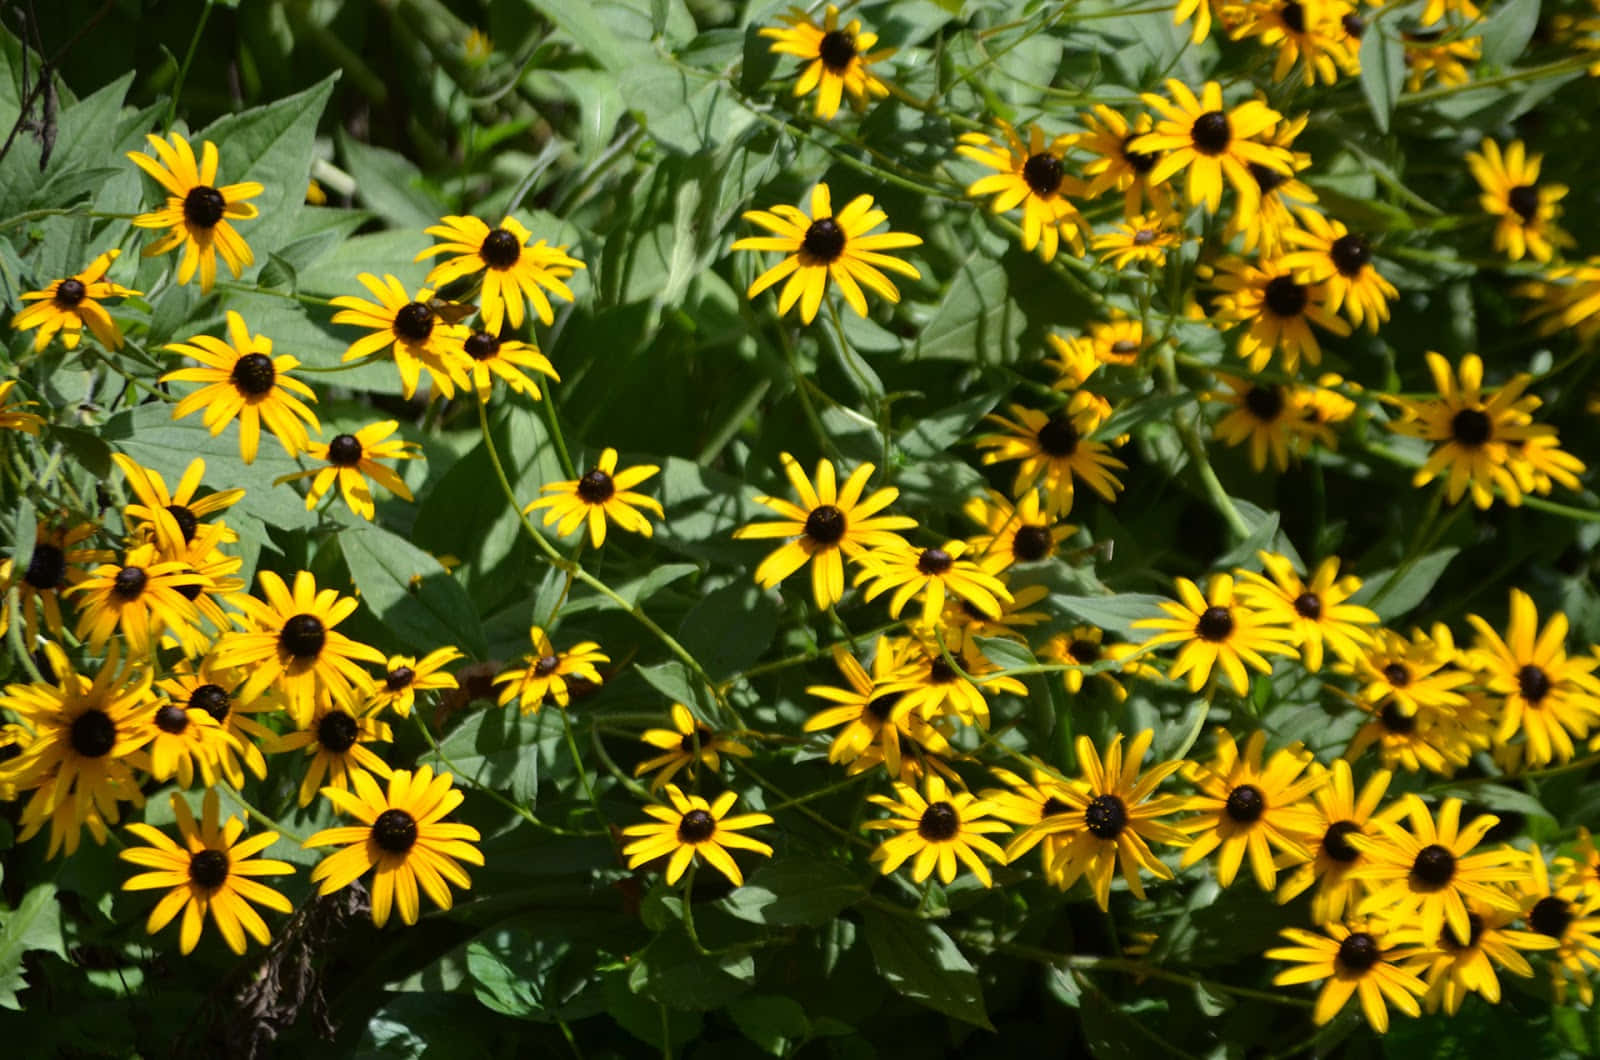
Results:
[70, 304]
[1032, 175]
[417, 337]
[1278, 309]
[687, 743]
[1247, 807]
[406, 675]
[143, 597]
[938, 827]
[1317, 610]
[930, 572]
[1053, 449]
[351, 460]
[493, 356]
[691, 827]
[836, 58]
[197, 213]
[1526, 210]
[1199, 134]
[1217, 630]
[1360, 960]
[601, 493]
[335, 739]
[511, 269]
[549, 672]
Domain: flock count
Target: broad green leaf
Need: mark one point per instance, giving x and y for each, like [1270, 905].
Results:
[921, 962]
[934, 434]
[1393, 592]
[670, 970]
[391, 185]
[796, 891]
[589, 31]
[35, 924]
[730, 628]
[1383, 72]
[499, 748]
[772, 1022]
[1508, 29]
[685, 110]
[431, 612]
[1114, 614]
[976, 319]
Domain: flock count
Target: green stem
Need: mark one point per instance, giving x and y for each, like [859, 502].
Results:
[1197, 452]
[583, 774]
[183, 70]
[262, 819]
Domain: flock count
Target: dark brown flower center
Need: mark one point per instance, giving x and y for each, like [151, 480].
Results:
[1533, 683]
[187, 523]
[413, 322]
[1058, 437]
[130, 582]
[696, 827]
[1336, 845]
[203, 207]
[1353, 25]
[1524, 199]
[699, 734]
[500, 249]
[1215, 624]
[1359, 951]
[1294, 16]
[1471, 428]
[1550, 916]
[1264, 402]
[837, 50]
[208, 868]
[1211, 133]
[211, 699]
[1084, 652]
[70, 292]
[826, 524]
[1042, 173]
[337, 731]
[939, 822]
[303, 636]
[254, 375]
[1350, 253]
[1245, 804]
[596, 487]
[1105, 817]
[1123, 347]
[1144, 237]
[1268, 179]
[47, 568]
[399, 679]
[546, 665]
[882, 706]
[93, 733]
[935, 561]
[171, 718]
[1308, 605]
[824, 240]
[1053, 806]
[481, 346]
[941, 672]
[1397, 674]
[1396, 720]
[1434, 867]
[395, 831]
[1284, 297]
[1449, 940]
[344, 451]
[1032, 543]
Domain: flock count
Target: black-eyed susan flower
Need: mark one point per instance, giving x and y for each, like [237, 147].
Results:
[1430, 739]
[1454, 966]
[1074, 360]
[59, 560]
[512, 270]
[1539, 463]
[16, 417]
[403, 838]
[417, 337]
[1317, 611]
[69, 305]
[602, 493]
[1032, 175]
[202, 556]
[1140, 240]
[692, 827]
[197, 213]
[493, 356]
[1117, 168]
[244, 381]
[1054, 450]
[84, 730]
[14, 739]
[1266, 230]
[930, 573]
[962, 621]
[289, 642]
[1084, 646]
[1247, 807]
[1278, 309]
[351, 459]
[1362, 960]
[1442, 54]
[1472, 430]
[142, 597]
[406, 675]
[1216, 630]
[1338, 811]
[1341, 261]
[549, 673]
[874, 710]
[1021, 534]
[1111, 817]
[687, 743]
[1119, 340]
[1304, 31]
[1568, 296]
[210, 872]
[1211, 142]
[1272, 418]
[835, 57]
[1565, 922]
[940, 690]
[335, 740]
[1526, 210]
[204, 687]
[1548, 697]
[938, 827]
[1415, 674]
[1201, 12]
[829, 523]
[1431, 871]
[171, 517]
[1031, 804]
[185, 743]
[826, 245]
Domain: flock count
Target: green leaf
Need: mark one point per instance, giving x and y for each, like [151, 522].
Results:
[1393, 592]
[1508, 29]
[430, 614]
[976, 319]
[774, 1023]
[935, 433]
[24, 530]
[730, 629]
[673, 680]
[684, 110]
[390, 185]
[670, 970]
[921, 962]
[795, 891]
[582, 23]
[1383, 73]
[499, 748]
[1114, 614]
[35, 924]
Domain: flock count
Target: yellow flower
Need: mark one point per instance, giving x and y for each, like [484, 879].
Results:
[1339, 812]
[185, 741]
[1279, 310]
[1455, 966]
[1212, 143]
[1052, 448]
[874, 710]
[939, 689]
[1117, 167]
[1362, 960]
[1144, 239]
[1565, 922]
[836, 59]
[1216, 630]
[211, 872]
[70, 304]
[1445, 55]
[57, 562]
[601, 493]
[334, 738]
[403, 837]
[405, 675]
[417, 337]
[493, 356]
[197, 212]
[827, 245]
[1266, 230]
[930, 572]
[511, 269]
[1246, 807]
[693, 827]
[1031, 175]
[214, 690]
[12, 418]
[1316, 611]
[1417, 674]
[172, 517]
[939, 827]
[688, 742]
[351, 460]
[827, 522]
[1341, 261]
[244, 380]
[1276, 418]
[549, 673]
[1306, 30]
[143, 597]
[1083, 646]
[1527, 210]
